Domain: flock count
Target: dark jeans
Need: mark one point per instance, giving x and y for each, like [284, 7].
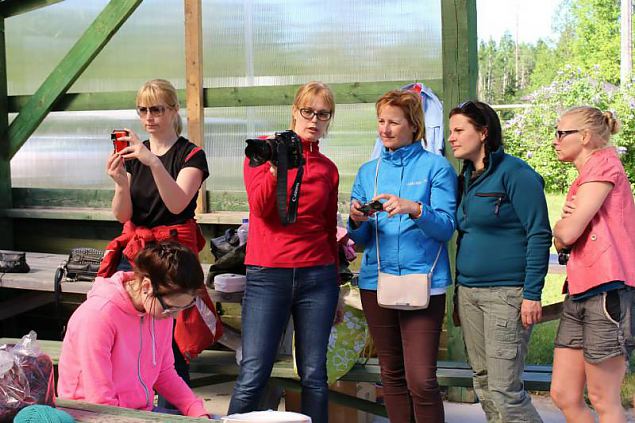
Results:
[407, 344]
[308, 294]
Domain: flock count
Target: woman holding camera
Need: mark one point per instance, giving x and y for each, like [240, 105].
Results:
[156, 187]
[291, 269]
[502, 260]
[597, 228]
[417, 194]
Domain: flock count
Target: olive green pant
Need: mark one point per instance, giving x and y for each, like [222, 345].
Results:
[496, 345]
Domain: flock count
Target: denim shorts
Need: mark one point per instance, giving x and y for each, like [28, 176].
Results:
[599, 325]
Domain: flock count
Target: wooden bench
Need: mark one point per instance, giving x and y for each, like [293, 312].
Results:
[213, 367]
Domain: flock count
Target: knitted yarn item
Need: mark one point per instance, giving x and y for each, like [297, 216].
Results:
[42, 414]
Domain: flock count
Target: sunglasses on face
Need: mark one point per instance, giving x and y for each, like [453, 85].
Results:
[308, 114]
[170, 309]
[155, 111]
[561, 134]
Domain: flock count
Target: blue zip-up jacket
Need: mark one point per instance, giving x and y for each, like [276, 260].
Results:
[504, 227]
[407, 245]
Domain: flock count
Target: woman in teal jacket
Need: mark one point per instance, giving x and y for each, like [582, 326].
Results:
[418, 194]
[502, 260]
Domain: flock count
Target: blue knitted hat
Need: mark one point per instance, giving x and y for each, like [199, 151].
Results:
[42, 414]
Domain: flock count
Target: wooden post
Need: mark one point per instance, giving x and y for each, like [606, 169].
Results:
[6, 224]
[194, 83]
[460, 79]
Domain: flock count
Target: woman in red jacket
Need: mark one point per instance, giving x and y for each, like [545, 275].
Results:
[291, 269]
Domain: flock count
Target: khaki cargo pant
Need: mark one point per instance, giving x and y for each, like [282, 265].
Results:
[496, 345]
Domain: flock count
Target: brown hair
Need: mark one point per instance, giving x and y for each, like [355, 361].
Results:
[171, 267]
[603, 124]
[159, 91]
[410, 104]
[309, 91]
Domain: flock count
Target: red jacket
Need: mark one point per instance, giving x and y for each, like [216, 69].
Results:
[311, 240]
[134, 238]
[196, 328]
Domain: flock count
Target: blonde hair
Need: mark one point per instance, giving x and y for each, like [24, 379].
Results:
[410, 104]
[603, 124]
[308, 92]
[160, 91]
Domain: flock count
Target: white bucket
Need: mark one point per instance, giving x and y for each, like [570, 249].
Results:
[229, 282]
[268, 416]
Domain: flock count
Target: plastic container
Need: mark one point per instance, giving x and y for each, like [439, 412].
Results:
[242, 231]
[267, 416]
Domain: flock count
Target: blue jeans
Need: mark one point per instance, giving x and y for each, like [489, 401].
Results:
[309, 294]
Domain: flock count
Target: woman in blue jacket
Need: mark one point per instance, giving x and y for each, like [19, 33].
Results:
[502, 260]
[418, 194]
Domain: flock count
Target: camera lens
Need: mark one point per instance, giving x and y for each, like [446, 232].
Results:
[258, 152]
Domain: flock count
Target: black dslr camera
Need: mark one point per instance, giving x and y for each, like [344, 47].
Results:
[285, 152]
[286, 144]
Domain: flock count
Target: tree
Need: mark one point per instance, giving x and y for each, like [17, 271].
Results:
[529, 134]
[596, 37]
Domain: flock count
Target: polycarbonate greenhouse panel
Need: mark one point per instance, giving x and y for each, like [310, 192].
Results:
[246, 42]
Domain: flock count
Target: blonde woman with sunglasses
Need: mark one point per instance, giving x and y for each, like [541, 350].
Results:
[596, 237]
[156, 187]
[117, 349]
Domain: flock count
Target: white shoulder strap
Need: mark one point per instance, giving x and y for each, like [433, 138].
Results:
[377, 230]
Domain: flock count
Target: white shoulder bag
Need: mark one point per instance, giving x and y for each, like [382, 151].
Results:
[402, 292]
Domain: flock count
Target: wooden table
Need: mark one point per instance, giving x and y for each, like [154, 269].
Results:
[86, 412]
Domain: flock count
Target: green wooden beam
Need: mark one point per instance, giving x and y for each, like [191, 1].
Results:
[10, 8]
[6, 225]
[345, 93]
[460, 76]
[68, 70]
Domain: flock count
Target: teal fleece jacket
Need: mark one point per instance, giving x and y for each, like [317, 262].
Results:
[503, 223]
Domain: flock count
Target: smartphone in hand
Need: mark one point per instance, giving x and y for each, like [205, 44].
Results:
[116, 142]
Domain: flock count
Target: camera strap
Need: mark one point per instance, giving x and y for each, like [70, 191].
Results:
[290, 214]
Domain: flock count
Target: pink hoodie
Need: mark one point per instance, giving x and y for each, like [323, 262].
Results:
[113, 354]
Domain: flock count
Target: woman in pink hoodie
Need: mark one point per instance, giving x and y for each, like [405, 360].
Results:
[118, 345]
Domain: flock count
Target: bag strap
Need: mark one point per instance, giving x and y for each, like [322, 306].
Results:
[377, 230]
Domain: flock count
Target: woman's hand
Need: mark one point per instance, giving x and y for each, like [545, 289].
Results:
[355, 214]
[138, 150]
[530, 312]
[568, 208]
[395, 205]
[116, 170]
[273, 169]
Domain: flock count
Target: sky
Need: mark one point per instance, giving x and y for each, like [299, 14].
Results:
[534, 19]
